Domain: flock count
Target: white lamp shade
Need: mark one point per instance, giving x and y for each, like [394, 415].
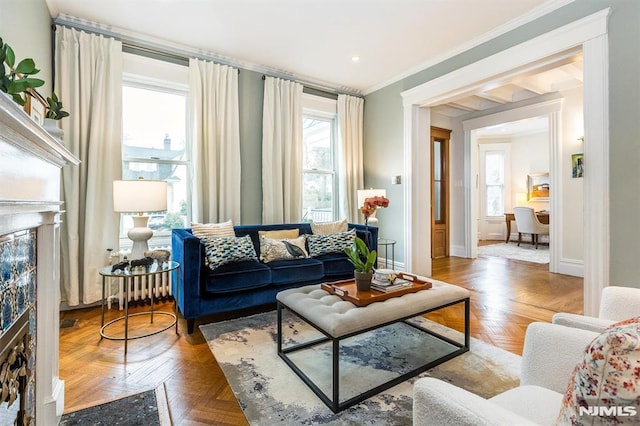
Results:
[139, 196]
[363, 194]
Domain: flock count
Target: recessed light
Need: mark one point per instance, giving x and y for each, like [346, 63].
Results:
[355, 58]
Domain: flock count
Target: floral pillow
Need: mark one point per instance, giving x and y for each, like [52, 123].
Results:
[283, 249]
[605, 385]
[223, 250]
[331, 243]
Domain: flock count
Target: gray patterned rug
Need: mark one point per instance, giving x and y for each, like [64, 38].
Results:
[269, 392]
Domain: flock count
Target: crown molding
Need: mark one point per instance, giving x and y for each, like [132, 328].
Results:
[532, 15]
[183, 52]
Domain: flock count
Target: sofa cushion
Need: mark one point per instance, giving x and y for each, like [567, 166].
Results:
[213, 230]
[336, 264]
[331, 243]
[223, 250]
[284, 249]
[325, 228]
[280, 233]
[296, 270]
[607, 377]
[238, 276]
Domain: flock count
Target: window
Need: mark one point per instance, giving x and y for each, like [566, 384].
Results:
[154, 147]
[319, 177]
[494, 183]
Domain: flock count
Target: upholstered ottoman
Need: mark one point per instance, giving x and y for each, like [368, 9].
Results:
[338, 319]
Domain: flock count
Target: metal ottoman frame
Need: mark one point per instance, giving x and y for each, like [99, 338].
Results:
[334, 402]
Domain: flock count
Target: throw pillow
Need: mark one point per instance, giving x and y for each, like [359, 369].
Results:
[331, 243]
[213, 230]
[326, 228]
[283, 249]
[605, 385]
[279, 234]
[223, 250]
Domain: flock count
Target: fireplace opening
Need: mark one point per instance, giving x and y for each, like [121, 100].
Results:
[15, 374]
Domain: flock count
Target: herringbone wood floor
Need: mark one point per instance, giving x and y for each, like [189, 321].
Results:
[506, 296]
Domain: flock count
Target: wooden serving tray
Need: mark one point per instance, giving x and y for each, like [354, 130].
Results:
[348, 291]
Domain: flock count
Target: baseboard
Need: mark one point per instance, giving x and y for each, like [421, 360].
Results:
[457, 251]
[571, 267]
[397, 266]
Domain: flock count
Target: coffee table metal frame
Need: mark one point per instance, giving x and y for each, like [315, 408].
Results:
[333, 402]
[128, 277]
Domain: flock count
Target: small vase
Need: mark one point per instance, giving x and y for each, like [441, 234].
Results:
[363, 280]
[51, 126]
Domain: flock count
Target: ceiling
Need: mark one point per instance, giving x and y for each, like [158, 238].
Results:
[316, 40]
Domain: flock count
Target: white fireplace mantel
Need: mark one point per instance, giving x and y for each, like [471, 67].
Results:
[30, 166]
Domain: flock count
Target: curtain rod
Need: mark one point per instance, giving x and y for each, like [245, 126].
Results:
[307, 85]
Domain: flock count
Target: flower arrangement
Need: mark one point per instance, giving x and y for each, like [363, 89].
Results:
[371, 204]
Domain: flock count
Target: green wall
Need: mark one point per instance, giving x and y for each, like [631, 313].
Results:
[26, 26]
[383, 128]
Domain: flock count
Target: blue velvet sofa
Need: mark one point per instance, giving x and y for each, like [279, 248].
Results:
[200, 291]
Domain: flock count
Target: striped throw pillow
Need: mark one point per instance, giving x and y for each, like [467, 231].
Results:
[213, 230]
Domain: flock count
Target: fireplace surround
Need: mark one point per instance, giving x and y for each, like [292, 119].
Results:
[30, 209]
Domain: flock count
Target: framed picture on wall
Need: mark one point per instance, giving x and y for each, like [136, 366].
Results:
[538, 187]
[577, 165]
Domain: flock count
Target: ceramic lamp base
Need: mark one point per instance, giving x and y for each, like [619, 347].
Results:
[139, 234]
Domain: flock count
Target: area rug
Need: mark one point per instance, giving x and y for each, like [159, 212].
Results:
[269, 392]
[139, 409]
[510, 250]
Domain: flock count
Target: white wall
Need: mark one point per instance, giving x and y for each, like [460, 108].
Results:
[529, 155]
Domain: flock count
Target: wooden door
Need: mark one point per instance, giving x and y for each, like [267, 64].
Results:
[439, 192]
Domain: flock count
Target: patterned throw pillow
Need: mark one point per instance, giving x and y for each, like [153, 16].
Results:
[332, 243]
[284, 249]
[223, 250]
[213, 230]
[605, 385]
[326, 228]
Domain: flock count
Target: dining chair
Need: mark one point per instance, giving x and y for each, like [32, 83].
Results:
[528, 223]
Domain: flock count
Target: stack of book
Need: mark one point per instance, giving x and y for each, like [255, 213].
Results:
[387, 286]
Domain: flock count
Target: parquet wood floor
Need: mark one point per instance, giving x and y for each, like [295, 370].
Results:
[506, 297]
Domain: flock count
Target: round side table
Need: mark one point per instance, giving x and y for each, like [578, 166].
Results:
[129, 275]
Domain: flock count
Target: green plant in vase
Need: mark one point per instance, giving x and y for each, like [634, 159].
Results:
[54, 108]
[363, 260]
[16, 80]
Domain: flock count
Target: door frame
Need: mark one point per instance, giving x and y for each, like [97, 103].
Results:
[590, 35]
[443, 134]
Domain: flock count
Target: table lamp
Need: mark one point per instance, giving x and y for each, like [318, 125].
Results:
[139, 196]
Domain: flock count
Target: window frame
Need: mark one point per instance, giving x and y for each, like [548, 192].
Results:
[163, 238]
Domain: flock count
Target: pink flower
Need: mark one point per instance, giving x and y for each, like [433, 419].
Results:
[372, 203]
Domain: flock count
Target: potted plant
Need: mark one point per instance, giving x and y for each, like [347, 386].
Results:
[16, 80]
[363, 261]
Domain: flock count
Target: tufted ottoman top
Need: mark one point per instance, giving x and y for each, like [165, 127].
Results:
[338, 317]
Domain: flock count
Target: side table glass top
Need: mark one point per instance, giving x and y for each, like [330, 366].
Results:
[155, 268]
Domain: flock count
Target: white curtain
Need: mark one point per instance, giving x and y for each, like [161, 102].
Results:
[350, 140]
[88, 81]
[215, 138]
[281, 151]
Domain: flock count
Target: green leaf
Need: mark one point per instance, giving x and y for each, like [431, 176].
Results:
[11, 57]
[27, 66]
[18, 99]
[33, 82]
[17, 86]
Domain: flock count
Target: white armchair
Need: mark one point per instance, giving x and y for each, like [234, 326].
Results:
[549, 355]
[528, 223]
[616, 304]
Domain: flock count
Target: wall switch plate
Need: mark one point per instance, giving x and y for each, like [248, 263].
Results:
[396, 180]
